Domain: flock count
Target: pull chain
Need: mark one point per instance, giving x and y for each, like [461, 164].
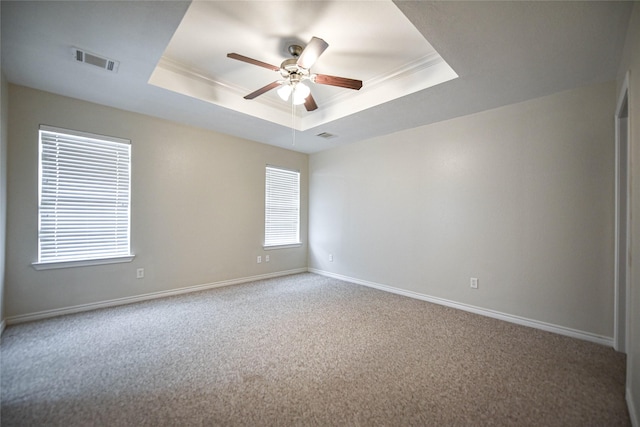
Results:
[293, 123]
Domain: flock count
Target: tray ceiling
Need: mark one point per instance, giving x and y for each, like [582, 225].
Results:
[392, 60]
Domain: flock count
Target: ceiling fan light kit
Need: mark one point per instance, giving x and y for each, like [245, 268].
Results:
[299, 90]
[295, 71]
[284, 92]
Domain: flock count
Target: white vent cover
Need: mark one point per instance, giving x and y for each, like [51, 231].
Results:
[95, 60]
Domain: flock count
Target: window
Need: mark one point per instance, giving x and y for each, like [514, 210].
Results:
[282, 207]
[83, 198]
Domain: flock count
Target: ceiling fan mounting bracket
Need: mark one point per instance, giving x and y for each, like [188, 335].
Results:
[295, 50]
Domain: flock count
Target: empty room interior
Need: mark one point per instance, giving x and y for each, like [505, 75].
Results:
[320, 213]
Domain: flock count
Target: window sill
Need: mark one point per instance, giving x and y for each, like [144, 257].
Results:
[292, 245]
[81, 263]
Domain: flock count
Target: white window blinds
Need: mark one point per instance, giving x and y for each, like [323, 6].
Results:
[282, 207]
[84, 196]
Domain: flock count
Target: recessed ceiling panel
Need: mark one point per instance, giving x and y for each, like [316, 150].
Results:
[368, 41]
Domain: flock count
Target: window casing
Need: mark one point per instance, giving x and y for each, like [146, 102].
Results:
[84, 198]
[282, 207]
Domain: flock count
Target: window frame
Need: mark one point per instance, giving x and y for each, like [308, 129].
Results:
[298, 241]
[52, 263]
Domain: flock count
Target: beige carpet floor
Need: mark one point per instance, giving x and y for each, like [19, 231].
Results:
[302, 350]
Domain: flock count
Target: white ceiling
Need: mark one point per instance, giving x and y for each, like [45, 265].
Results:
[393, 60]
[503, 52]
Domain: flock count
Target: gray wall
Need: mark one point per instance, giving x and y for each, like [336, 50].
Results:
[519, 196]
[4, 120]
[631, 63]
[197, 206]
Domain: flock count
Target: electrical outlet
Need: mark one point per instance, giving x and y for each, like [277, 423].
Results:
[266, 258]
[330, 257]
[474, 283]
[140, 273]
[259, 259]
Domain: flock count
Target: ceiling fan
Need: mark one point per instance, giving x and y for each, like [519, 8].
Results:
[295, 71]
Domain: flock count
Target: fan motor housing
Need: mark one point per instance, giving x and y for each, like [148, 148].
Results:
[290, 69]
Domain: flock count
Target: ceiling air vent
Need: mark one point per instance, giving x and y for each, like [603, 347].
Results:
[326, 135]
[95, 60]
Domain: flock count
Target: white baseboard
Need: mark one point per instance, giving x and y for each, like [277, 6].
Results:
[631, 405]
[13, 320]
[574, 333]
[608, 341]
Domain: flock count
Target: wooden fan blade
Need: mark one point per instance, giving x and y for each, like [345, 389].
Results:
[323, 79]
[252, 61]
[312, 52]
[262, 90]
[310, 103]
